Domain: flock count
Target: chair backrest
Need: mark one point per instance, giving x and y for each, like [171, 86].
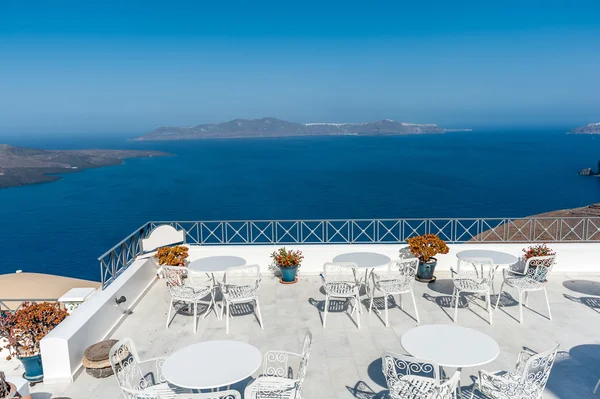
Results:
[175, 277]
[447, 389]
[536, 371]
[124, 361]
[406, 267]
[538, 267]
[306, 346]
[396, 366]
[477, 269]
[247, 275]
[339, 271]
[162, 236]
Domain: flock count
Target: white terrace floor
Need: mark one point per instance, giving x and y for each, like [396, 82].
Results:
[345, 361]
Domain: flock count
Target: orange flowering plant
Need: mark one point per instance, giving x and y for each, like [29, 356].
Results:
[427, 246]
[172, 256]
[27, 326]
[284, 258]
[537, 250]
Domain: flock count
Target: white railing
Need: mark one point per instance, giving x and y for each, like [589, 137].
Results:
[357, 231]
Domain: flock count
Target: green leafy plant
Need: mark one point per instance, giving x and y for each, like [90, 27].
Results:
[284, 258]
[27, 326]
[537, 250]
[426, 246]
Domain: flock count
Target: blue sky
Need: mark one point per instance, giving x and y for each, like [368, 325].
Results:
[129, 66]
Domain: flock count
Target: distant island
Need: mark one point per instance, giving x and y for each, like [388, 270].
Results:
[272, 127]
[592, 128]
[21, 166]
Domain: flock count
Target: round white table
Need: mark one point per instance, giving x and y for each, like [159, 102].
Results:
[497, 257]
[211, 364]
[450, 346]
[215, 264]
[367, 260]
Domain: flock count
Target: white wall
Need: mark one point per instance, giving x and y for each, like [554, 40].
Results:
[63, 348]
[571, 258]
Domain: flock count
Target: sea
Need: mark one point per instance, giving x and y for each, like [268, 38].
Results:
[63, 227]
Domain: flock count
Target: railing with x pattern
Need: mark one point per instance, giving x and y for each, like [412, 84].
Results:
[357, 231]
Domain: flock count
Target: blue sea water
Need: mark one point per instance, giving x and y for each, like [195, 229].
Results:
[62, 227]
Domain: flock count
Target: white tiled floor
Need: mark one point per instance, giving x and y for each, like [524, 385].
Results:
[345, 361]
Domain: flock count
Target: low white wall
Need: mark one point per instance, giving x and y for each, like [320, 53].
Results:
[570, 258]
[63, 348]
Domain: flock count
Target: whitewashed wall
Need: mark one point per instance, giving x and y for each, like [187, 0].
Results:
[63, 348]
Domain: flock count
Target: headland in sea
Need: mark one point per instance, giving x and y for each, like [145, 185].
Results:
[63, 227]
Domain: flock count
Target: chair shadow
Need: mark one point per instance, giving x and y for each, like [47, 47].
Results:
[379, 306]
[575, 372]
[361, 390]
[589, 301]
[585, 287]
[335, 306]
[443, 286]
[446, 303]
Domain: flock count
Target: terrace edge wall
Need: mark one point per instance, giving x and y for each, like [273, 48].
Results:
[64, 347]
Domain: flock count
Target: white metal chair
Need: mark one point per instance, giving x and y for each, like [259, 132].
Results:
[473, 276]
[278, 379]
[240, 285]
[229, 394]
[527, 380]
[410, 377]
[187, 288]
[397, 280]
[340, 281]
[533, 278]
[136, 376]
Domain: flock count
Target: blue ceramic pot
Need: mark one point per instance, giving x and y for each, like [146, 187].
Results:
[288, 274]
[426, 270]
[33, 368]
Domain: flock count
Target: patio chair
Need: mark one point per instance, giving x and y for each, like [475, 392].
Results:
[278, 379]
[240, 285]
[397, 280]
[533, 278]
[473, 276]
[187, 288]
[527, 380]
[229, 394]
[340, 281]
[142, 377]
[410, 377]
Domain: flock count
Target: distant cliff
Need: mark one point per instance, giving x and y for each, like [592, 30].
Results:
[21, 166]
[272, 127]
[592, 128]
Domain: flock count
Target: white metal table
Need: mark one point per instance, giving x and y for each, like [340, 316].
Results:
[497, 257]
[211, 265]
[364, 260]
[450, 345]
[211, 364]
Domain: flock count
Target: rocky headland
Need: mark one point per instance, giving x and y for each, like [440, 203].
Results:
[272, 127]
[592, 128]
[20, 166]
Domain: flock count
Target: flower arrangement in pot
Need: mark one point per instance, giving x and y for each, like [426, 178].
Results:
[288, 262]
[426, 247]
[24, 330]
[535, 251]
[172, 256]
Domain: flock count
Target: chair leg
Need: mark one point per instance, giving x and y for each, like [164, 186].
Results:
[169, 313]
[412, 294]
[526, 298]
[195, 305]
[325, 311]
[400, 302]
[386, 309]
[227, 310]
[258, 313]
[456, 300]
[520, 307]
[499, 295]
[489, 305]
[371, 301]
[358, 313]
[548, 303]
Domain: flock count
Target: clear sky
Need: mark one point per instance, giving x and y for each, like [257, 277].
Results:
[129, 66]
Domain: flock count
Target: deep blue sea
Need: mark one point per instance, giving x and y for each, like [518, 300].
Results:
[62, 227]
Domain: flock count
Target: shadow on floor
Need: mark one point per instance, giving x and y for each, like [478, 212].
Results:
[589, 301]
[585, 287]
[363, 391]
[335, 306]
[575, 373]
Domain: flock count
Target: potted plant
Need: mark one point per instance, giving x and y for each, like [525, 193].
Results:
[425, 248]
[288, 262]
[537, 250]
[172, 256]
[24, 330]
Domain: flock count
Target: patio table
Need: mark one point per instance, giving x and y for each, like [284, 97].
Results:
[364, 260]
[211, 364]
[450, 346]
[211, 265]
[498, 258]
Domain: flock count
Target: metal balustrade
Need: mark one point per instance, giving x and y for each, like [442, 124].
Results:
[357, 231]
[11, 305]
